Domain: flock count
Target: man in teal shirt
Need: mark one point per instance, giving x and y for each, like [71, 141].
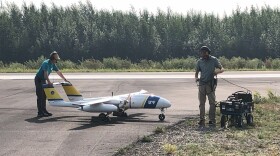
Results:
[41, 77]
[207, 66]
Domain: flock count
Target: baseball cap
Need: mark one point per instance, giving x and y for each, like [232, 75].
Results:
[205, 48]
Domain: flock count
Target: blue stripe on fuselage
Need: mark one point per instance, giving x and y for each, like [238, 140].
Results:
[151, 102]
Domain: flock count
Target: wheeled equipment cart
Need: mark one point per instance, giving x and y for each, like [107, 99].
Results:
[238, 105]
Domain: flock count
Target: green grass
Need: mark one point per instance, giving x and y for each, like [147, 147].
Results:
[114, 64]
[159, 130]
[85, 70]
[169, 148]
[185, 138]
[261, 138]
[9, 70]
[146, 138]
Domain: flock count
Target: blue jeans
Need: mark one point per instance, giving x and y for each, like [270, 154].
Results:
[41, 96]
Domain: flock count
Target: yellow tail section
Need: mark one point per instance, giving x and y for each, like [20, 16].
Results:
[71, 90]
[72, 93]
[51, 93]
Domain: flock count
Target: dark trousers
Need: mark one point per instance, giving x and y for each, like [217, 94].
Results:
[41, 96]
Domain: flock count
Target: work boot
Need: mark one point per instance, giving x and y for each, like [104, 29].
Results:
[201, 123]
[46, 113]
[212, 124]
[39, 115]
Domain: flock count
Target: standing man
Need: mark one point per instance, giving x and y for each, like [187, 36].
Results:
[41, 77]
[208, 66]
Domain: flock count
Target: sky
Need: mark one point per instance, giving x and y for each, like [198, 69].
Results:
[218, 7]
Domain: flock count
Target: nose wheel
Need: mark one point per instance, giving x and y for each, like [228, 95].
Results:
[161, 116]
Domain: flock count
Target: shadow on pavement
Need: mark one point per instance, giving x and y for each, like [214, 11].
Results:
[86, 122]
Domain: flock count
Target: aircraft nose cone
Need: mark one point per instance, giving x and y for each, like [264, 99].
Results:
[163, 103]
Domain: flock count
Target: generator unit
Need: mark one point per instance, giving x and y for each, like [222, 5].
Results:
[238, 105]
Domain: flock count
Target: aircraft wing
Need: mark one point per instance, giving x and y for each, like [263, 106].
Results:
[135, 93]
[94, 102]
[143, 91]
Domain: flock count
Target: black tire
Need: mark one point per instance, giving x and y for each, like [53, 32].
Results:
[102, 115]
[232, 120]
[107, 119]
[223, 121]
[92, 119]
[161, 117]
[239, 121]
[250, 119]
[124, 114]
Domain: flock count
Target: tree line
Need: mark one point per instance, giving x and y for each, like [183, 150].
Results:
[82, 32]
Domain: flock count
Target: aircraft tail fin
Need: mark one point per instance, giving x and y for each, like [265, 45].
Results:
[72, 93]
[54, 98]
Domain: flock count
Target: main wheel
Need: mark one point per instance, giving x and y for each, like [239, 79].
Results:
[249, 119]
[161, 117]
[106, 119]
[92, 119]
[124, 114]
[102, 115]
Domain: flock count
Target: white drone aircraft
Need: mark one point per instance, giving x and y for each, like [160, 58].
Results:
[116, 104]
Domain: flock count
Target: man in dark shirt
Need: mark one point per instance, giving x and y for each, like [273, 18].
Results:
[41, 77]
[207, 65]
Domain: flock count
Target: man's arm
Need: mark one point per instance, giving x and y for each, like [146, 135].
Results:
[197, 69]
[196, 76]
[61, 75]
[222, 70]
[46, 76]
[219, 70]
[219, 66]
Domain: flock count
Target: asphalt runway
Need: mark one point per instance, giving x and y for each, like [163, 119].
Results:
[70, 132]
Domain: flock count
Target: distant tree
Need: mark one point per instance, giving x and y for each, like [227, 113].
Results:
[80, 32]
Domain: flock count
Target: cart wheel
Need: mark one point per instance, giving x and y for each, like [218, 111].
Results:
[239, 121]
[223, 121]
[232, 120]
[249, 119]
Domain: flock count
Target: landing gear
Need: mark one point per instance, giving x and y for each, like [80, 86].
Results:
[104, 117]
[120, 113]
[161, 116]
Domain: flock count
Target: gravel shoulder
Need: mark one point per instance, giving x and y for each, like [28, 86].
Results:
[186, 138]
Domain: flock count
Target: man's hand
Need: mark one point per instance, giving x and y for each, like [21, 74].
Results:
[50, 83]
[218, 71]
[196, 79]
[65, 80]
